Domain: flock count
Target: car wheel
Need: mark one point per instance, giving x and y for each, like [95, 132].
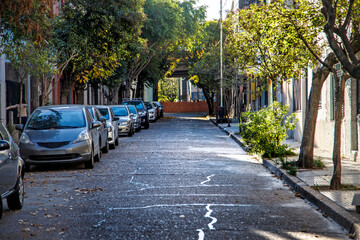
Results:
[89, 164]
[138, 129]
[147, 125]
[131, 132]
[117, 141]
[16, 200]
[1, 207]
[27, 167]
[98, 155]
[112, 146]
[105, 149]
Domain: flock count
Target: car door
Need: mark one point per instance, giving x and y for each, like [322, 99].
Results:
[102, 128]
[8, 162]
[94, 133]
[114, 122]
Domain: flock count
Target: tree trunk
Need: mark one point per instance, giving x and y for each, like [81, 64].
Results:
[35, 103]
[307, 143]
[208, 101]
[65, 88]
[335, 182]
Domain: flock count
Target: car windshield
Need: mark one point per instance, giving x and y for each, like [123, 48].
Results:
[149, 105]
[104, 112]
[57, 119]
[138, 105]
[120, 111]
[132, 109]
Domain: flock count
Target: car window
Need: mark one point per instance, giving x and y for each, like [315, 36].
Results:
[57, 118]
[132, 109]
[138, 105]
[120, 111]
[104, 112]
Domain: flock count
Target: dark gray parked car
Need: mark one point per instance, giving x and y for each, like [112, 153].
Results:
[60, 134]
[11, 172]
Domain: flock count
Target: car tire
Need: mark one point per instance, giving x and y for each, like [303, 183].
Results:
[27, 167]
[105, 149]
[147, 124]
[131, 132]
[16, 200]
[98, 155]
[89, 164]
[1, 207]
[138, 129]
[117, 141]
[112, 146]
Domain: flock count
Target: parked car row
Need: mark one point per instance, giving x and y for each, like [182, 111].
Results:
[65, 134]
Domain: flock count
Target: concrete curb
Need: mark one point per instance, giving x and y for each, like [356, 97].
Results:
[328, 207]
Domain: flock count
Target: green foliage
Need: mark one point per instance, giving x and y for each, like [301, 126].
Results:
[267, 38]
[318, 163]
[289, 166]
[167, 90]
[263, 131]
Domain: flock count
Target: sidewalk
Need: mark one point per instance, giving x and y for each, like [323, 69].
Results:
[333, 203]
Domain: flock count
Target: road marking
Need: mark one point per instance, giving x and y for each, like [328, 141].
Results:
[201, 234]
[180, 205]
[208, 215]
[208, 179]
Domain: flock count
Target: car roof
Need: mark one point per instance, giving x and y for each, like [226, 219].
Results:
[67, 106]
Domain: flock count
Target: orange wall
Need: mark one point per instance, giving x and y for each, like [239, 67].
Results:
[184, 107]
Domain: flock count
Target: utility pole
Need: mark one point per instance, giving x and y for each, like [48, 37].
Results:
[221, 57]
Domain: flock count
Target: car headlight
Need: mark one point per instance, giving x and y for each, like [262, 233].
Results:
[83, 136]
[142, 113]
[25, 139]
[109, 127]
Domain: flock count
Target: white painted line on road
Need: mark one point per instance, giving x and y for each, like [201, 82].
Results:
[208, 215]
[181, 205]
[201, 234]
[99, 224]
[208, 179]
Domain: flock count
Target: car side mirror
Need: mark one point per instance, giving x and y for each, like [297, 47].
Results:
[116, 118]
[4, 145]
[131, 115]
[19, 127]
[103, 119]
[96, 124]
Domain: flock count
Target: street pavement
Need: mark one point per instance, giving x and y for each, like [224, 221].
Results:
[182, 178]
[343, 211]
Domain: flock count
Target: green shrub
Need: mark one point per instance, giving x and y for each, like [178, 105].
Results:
[263, 131]
[318, 163]
[289, 166]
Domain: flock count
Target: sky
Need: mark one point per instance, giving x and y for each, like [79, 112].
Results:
[213, 9]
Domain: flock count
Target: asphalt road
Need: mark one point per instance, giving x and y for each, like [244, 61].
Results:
[180, 179]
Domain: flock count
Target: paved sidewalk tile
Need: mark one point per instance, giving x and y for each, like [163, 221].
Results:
[313, 178]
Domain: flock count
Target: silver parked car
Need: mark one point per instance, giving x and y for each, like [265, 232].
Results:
[136, 118]
[125, 122]
[60, 134]
[103, 129]
[11, 172]
[161, 108]
[111, 122]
